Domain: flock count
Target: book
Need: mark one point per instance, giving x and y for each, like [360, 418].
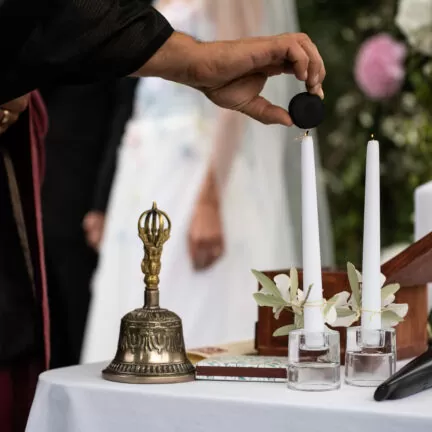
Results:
[242, 368]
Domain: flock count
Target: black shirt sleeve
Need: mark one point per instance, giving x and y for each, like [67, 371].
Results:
[122, 108]
[75, 41]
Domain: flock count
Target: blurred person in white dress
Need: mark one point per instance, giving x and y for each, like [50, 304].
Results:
[220, 177]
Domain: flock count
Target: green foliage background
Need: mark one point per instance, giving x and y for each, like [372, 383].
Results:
[403, 125]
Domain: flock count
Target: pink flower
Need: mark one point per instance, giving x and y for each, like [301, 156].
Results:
[379, 69]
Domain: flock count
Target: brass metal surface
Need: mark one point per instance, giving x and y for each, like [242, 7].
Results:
[151, 346]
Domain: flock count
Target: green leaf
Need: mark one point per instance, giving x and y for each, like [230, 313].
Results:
[391, 317]
[284, 331]
[344, 312]
[294, 283]
[345, 318]
[298, 321]
[333, 301]
[327, 308]
[354, 284]
[388, 290]
[307, 294]
[267, 284]
[268, 300]
[297, 310]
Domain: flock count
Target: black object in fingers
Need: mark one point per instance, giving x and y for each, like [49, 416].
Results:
[306, 110]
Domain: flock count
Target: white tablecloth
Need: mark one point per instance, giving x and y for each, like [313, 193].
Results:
[77, 399]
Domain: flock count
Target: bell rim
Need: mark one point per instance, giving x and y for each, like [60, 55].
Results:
[143, 379]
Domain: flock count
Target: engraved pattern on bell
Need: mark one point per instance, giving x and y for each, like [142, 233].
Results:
[151, 345]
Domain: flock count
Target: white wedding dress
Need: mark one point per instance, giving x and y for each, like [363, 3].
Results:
[164, 158]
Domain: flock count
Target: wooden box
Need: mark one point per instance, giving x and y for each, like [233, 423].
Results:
[412, 269]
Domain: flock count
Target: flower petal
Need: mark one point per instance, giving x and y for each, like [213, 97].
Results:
[340, 299]
[400, 309]
[300, 295]
[283, 283]
[331, 316]
[389, 290]
[389, 300]
[390, 319]
[383, 279]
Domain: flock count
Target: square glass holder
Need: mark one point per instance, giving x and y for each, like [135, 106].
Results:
[370, 356]
[313, 360]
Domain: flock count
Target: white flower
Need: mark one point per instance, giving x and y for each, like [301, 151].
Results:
[414, 18]
[283, 293]
[290, 293]
[336, 310]
[391, 314]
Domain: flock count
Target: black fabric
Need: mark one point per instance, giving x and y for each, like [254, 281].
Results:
[306, 110]
[79, 125]
[122, 112]
[57, 42]
[20, 314]
[75, 41]
[70, 267]
[86, 128]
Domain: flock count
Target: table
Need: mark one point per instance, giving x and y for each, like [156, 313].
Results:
[77, 399]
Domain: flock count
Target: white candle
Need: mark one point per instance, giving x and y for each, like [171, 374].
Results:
[423, 218]
[371, 268]
[313, 312]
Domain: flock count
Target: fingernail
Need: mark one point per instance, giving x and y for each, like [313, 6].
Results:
[321, 93]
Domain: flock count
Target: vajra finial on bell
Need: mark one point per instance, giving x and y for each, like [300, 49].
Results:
[154, 228]
[151, 346]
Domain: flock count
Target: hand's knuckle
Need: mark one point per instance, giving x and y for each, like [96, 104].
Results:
[303, 37]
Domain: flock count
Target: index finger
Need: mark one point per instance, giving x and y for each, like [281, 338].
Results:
[316, 70]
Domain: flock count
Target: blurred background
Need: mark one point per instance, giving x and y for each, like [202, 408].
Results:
[378, 56]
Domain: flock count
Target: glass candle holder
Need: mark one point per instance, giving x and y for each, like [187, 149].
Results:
[313, 366]
[370, 356]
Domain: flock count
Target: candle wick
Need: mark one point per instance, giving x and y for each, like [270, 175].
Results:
[307, 133]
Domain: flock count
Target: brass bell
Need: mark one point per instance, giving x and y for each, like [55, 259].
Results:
[151, 346]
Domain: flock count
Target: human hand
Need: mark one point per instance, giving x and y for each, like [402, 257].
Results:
[10, 112]
[232, 74]
[93, 224]
[206, 242]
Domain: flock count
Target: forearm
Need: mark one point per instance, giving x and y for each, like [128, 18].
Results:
[204, 65]
[175, 61]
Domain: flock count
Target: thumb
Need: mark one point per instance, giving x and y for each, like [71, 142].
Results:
[265, 112]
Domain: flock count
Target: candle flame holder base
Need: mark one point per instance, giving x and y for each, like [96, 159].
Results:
[312, 367]
[370, 356]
